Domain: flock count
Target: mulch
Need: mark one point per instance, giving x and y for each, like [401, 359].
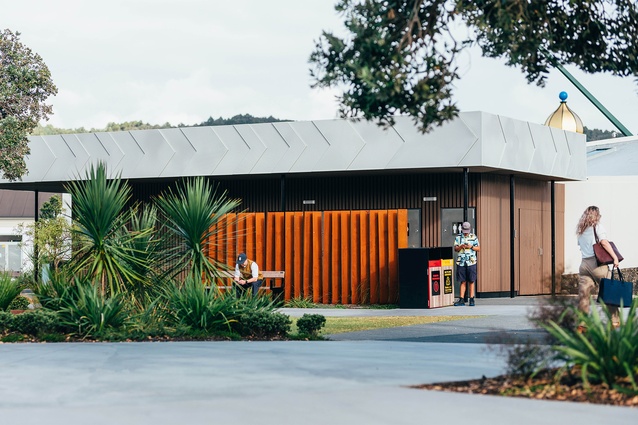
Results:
[542, 387]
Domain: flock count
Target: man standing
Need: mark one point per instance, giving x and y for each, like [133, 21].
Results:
[247, 274]
[467, 245]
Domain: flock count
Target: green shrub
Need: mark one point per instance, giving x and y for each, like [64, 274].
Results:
[86, 312]
[13, 338]
[264, 324]
[6, 321]
[36, 322]
[310, 324]
[300, 302]
[19, 303]
[602, 354]
[8, 290]
[195, 307]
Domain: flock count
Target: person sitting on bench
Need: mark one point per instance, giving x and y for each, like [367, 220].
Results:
[247, 274]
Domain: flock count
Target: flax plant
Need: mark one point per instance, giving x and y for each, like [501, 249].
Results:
[602, 354]
[8, 290]
[105, 249]
[191, 214]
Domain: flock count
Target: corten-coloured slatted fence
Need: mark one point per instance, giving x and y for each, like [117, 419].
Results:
[332, 257]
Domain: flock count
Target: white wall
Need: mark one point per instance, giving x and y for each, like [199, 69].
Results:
[617, 198]
[9, 226]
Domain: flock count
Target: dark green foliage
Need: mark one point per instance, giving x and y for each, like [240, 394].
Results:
[19, 303]
[310, 324]
[239, 119]
[9, 289]
[52, 208]
[264, 324]
[193, 306]
[86, 312]
[6, 321]
[13, 338]
[25, 84]
[105, 247]
[602, 354]
[36, 322]
[596, 134]
[140, 125]
[400, 57]
[190, 216]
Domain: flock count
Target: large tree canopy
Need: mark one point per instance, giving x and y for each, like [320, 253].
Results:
[25, 83]
[399, 57]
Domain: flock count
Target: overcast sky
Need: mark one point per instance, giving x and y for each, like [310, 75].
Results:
[181, 61]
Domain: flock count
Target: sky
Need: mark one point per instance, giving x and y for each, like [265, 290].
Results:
[182, 61]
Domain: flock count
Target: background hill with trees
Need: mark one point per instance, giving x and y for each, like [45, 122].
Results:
[592, 134]
[48, 130]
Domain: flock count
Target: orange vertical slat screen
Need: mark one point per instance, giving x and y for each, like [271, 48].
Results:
[331, 257]
[325, 263]
[382, 236]
[364, 255]
[317, 267]
[269, 262]
[231, 244]
[374, 271]
[335, 258]
[393, 253]
[297, 263]
[355, 265]
[287, 236]
[260, 239]
[344, 245]
[308, 264]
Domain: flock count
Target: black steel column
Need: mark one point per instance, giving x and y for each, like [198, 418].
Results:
[466, 189]
[553, 225]
[512, 240]
[36, 259]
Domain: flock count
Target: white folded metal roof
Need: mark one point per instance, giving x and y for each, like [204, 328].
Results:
[613, 157]
[479, 141]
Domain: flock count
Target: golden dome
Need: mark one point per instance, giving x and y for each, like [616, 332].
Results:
[564, 118]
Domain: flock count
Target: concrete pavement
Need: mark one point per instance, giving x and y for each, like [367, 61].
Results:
[354, 380]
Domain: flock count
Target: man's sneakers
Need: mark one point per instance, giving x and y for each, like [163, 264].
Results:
[461, 302]
[471, 302]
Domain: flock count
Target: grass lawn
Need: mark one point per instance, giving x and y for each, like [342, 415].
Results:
[335, 325]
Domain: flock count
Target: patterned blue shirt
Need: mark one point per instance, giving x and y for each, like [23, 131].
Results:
[466, 257]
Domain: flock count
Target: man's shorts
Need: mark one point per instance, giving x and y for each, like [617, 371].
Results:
[466, 273]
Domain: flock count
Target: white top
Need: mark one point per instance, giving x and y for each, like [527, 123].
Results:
[254, 268]
[587, 240]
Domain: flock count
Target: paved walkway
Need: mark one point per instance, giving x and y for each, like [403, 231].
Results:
[357, 379]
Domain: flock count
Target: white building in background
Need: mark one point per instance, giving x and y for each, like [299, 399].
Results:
[17, 209]
[612, 185]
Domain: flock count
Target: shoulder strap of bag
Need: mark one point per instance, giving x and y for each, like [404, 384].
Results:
[595, 234]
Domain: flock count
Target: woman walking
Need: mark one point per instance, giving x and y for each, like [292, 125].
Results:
[590, 272]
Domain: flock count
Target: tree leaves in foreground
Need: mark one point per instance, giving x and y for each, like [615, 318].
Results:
[25, 83]
[399, 57]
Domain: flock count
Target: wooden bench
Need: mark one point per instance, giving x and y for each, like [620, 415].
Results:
[273, 281]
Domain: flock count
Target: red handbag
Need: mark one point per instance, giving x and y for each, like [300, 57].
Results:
[602, 256]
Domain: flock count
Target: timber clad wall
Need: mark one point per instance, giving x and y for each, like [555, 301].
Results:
[334, 257]
[316, 243]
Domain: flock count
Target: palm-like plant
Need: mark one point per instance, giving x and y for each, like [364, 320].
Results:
[191, 213]
[603, 353]
[105, 252]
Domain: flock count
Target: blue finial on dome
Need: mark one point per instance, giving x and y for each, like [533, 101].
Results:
[563, 96]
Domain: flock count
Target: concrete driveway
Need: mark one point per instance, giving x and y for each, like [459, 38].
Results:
[353, 380]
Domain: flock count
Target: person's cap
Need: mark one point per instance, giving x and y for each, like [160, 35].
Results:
[241, 258]
[466, 227]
